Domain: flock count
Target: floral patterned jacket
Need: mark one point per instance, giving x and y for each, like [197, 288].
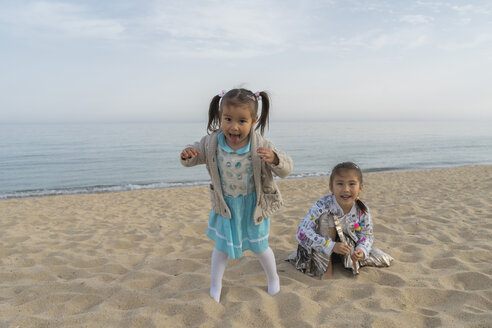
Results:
[356, 224]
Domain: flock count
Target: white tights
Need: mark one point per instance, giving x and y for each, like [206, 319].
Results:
[219, 262]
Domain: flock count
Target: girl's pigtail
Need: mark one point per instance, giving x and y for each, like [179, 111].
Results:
[361, 205]
[213, 115]
[265, 111]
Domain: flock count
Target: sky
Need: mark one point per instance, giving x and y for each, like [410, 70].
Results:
[163, 60]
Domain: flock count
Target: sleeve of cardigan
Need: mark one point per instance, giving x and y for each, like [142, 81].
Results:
[200, 158]
[285, 164]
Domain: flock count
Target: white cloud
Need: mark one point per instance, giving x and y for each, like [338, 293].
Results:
[472, 9]
[465, 21]
[240, 29]
[218, 29]
[416, 19]
[381, 39]
[56, 17]
[477, 41]
[446, 6]
[434, 6]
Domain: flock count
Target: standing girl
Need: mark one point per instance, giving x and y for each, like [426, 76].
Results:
[316, 233]
[240, 163]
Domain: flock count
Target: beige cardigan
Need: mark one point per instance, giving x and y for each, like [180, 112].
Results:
[268, 195]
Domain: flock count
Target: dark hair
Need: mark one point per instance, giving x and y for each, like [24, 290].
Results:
[238, 97]
[349, 166]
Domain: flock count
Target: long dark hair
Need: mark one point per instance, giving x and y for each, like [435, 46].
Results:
[349, 166]
[238, 97]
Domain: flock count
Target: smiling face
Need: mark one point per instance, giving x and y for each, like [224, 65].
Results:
[346, 187]
[236, 123]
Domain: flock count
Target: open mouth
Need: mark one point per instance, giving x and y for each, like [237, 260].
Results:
[234, 138]
[346, 197]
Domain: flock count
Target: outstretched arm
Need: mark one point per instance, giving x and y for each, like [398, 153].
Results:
[194, 154]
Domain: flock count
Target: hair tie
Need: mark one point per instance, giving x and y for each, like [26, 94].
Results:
[222, 93]
[255, 97]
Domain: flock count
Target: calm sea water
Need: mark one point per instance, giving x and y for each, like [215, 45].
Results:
[47, 159]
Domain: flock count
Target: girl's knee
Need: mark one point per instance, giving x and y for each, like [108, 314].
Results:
[266, 251]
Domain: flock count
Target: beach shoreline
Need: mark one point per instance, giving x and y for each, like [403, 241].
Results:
[141, 258]
[151, 186]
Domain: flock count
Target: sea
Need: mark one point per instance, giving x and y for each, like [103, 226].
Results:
[76, 158]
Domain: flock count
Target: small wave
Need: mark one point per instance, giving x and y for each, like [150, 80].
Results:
[128, 187]
[163, 185]
[383, 169]
[95, 189]
[308, 175]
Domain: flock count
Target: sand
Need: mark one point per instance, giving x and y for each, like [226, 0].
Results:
[141, 259]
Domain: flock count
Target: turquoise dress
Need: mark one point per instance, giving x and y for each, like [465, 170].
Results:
[239, 233]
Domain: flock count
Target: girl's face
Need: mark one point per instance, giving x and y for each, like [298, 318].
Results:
[346, 188]
[236, 123]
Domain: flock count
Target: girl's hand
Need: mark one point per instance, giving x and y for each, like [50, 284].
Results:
[267, 155]
[357, 255]
[341, 248]
[189, 152]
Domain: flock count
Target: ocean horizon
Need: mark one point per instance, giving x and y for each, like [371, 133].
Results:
[41, 159]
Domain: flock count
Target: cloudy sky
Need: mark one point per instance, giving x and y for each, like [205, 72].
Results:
[163, 60]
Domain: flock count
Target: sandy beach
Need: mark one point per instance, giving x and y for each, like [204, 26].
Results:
[141, 259]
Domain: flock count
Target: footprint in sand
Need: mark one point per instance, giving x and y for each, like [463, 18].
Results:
[387, 279]
[128, 301]
[89, 263]
[428, 312]
[467, 281]
[446, 263]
